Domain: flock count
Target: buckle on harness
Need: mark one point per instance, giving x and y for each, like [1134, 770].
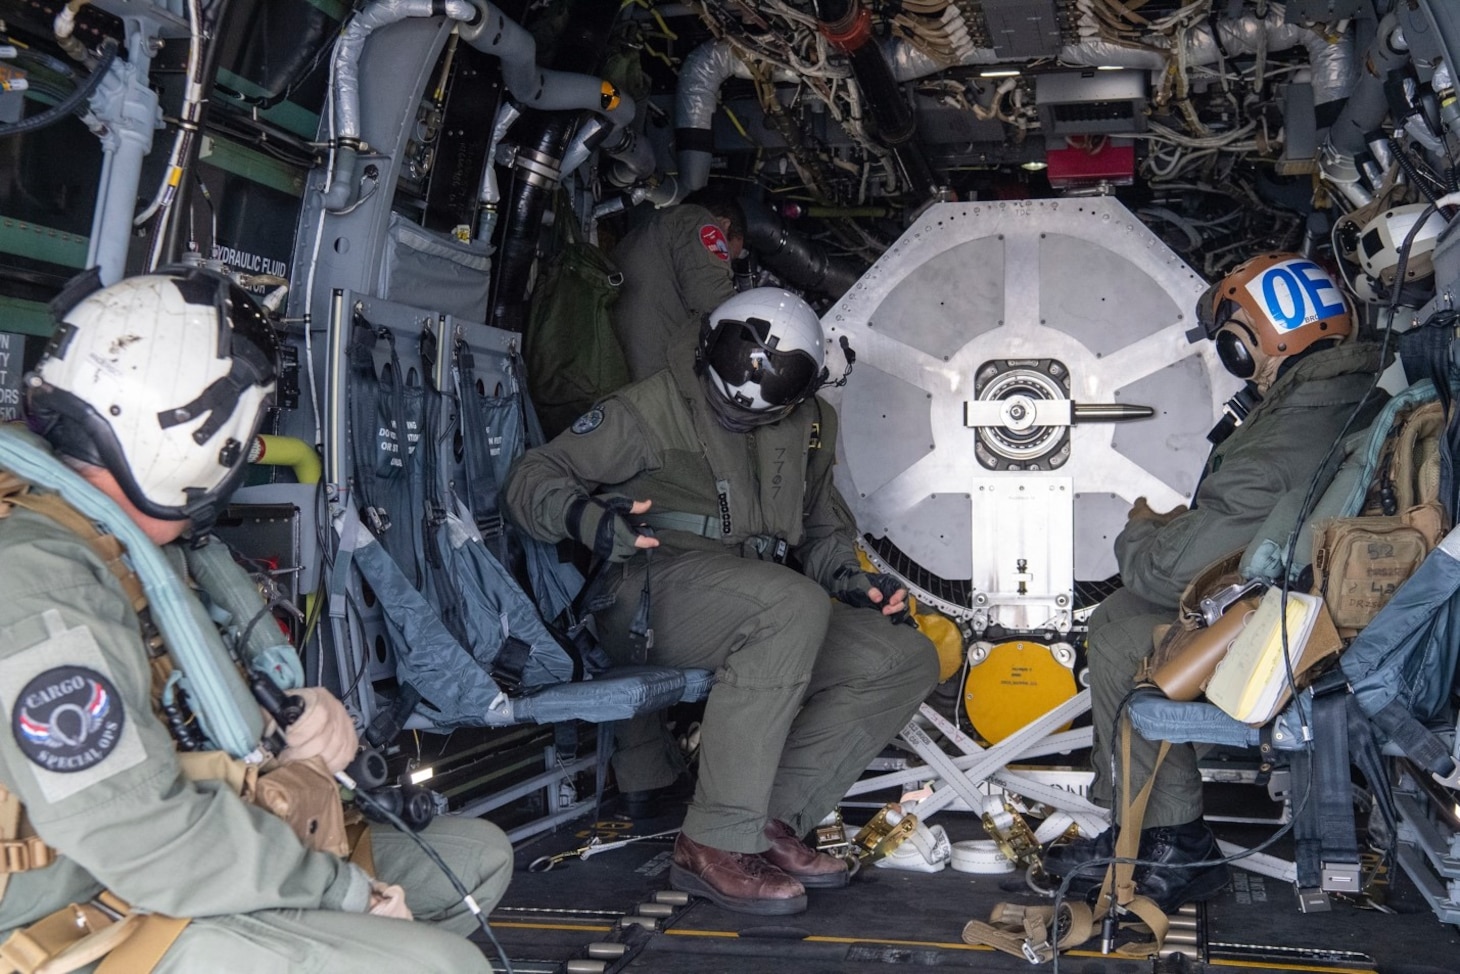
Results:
[23, 855]
[1033, 954]
[378, 519]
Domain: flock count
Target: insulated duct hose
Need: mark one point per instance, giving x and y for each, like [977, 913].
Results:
[287, 451]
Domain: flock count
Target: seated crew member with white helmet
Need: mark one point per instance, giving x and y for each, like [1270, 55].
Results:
[728, 455]
[1280, 322]
[151, 391]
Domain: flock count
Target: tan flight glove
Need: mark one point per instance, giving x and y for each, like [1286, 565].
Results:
[324, 730]
[388, 901]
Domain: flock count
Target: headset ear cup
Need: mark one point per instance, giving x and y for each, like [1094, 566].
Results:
[1234, 348]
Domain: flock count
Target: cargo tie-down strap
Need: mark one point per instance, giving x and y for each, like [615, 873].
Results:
[1025, 931]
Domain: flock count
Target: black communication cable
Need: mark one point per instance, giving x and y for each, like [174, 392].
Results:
[376, 808]
[282, 708]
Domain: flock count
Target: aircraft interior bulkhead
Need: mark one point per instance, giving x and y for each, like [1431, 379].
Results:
[1037, 236]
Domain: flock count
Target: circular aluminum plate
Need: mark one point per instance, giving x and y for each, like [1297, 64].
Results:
[1080, 281]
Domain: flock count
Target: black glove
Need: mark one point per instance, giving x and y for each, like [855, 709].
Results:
[601, 524]
[856, 584]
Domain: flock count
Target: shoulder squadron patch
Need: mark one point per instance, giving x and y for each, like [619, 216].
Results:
[588, 422]
[714, 240]
[68, 719]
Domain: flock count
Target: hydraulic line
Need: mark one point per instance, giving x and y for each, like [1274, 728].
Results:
[72, 102]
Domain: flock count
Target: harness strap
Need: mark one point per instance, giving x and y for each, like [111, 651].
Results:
[81, 933]
[16, 492]
[1326, 847]
[1023, 931]
[21, 850]
[1120, 876]
[152, 935]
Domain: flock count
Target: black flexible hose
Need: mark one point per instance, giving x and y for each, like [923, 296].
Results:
[1407, 164]
[528, 196]
[55, 113]
[802, 261]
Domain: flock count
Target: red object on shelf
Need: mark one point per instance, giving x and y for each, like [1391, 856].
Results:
[1077, 166]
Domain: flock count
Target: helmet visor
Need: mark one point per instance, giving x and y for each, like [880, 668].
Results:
[738, 353]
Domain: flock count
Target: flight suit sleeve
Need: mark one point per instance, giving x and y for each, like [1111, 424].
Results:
[98, 773]
[829, 544]
[1158, 560]
[703, 276]
[607, 445]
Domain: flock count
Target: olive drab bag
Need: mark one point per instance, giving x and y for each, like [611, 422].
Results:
[573, 356]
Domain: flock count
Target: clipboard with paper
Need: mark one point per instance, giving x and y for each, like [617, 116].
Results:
[1251, 681]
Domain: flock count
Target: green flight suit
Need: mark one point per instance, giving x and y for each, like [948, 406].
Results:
[1275, 450]
[122, 817]
[674, 271]
[808, 690]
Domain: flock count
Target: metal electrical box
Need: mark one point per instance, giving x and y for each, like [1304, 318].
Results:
[1091, 102]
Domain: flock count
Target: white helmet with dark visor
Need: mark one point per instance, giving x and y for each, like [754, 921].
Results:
[762, 351]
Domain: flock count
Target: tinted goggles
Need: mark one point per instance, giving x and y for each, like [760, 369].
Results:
[738, 353]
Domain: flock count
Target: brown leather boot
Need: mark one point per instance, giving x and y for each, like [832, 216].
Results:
[794, 857]
[739, 881]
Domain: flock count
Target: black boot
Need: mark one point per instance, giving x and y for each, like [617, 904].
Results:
[658, 802]
[1066, 859]
[1173, 883]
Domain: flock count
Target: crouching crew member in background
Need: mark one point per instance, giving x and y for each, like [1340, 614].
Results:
[1280, 322]
[151, 391]
[728, 456]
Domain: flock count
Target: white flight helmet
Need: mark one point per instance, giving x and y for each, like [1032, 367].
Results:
[1384, 235]
[762, 351]
[163, 380]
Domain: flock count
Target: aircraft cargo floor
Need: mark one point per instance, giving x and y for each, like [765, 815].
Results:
[890, 918]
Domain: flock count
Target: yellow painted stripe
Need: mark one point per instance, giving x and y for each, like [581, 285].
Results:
[1266, 965]
[1280, 966]
[820, 939]
[515, 925]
